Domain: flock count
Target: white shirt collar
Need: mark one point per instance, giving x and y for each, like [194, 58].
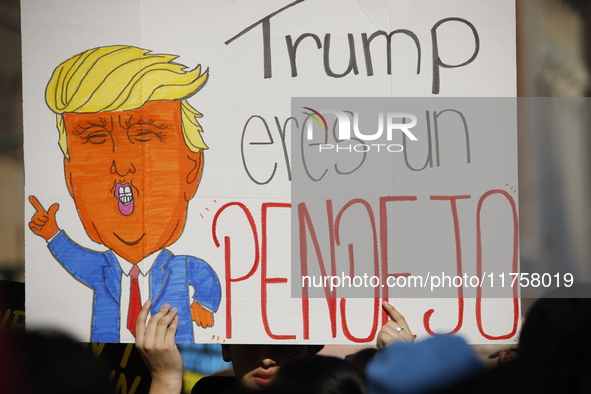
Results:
[145, 265]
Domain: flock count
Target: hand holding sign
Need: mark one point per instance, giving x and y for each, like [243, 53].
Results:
[396, 329]
[43, 222]
[156, 343]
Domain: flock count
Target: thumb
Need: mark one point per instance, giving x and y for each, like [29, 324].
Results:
[53, 210]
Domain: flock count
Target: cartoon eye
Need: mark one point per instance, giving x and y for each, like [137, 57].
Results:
[145, 135]
[97, 137]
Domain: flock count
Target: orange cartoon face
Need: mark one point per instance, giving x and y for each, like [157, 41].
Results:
[131, 176]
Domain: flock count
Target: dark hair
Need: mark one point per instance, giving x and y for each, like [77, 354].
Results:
[565, 365]
[319, 375]
[56, 364]
[553, 317]
[362, 357]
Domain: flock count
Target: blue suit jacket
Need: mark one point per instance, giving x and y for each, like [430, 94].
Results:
[170, 278]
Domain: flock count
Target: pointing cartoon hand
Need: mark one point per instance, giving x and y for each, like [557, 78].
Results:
[43, 222]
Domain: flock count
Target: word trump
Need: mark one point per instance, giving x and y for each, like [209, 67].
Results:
[322, 56]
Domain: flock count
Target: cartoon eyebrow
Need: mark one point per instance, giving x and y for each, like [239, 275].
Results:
[127, 123]
[82, 129]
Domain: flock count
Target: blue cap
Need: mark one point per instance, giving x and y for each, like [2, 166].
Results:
[423, 366]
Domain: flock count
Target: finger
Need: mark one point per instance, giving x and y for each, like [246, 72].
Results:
[36, 204]
[389, 309]
[39, 220]
[34, 227]
[140, 324]
[53, 210]
[389, 329]
[398, 328]
[164, 323]
[394, 314]
[171, 331]
[388, 334]
[384, 339]
[392, 328]
[391, 332]
[155, 320]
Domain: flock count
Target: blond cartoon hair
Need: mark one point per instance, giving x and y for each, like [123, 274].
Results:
[120, 78]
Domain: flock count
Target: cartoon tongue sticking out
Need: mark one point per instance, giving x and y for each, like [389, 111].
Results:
[124, 194]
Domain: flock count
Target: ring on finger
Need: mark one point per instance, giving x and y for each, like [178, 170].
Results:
[399, 328]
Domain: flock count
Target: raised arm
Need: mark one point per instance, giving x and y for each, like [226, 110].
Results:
[156, 343]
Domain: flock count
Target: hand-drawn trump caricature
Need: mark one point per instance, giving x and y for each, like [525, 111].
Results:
[133, 159]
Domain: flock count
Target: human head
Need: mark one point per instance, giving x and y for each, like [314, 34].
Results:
[424, 366]
[255, 365]
[320, 375]
[559, 312]
[132, 146]
[362, 357]
[120, 78]
[56, 363]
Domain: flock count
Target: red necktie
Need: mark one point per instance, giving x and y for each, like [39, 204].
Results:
[134, 299]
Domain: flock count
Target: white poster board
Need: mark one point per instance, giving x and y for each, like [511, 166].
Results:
[258, 55]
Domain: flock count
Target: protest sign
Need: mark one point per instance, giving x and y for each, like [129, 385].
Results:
[163, 131]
